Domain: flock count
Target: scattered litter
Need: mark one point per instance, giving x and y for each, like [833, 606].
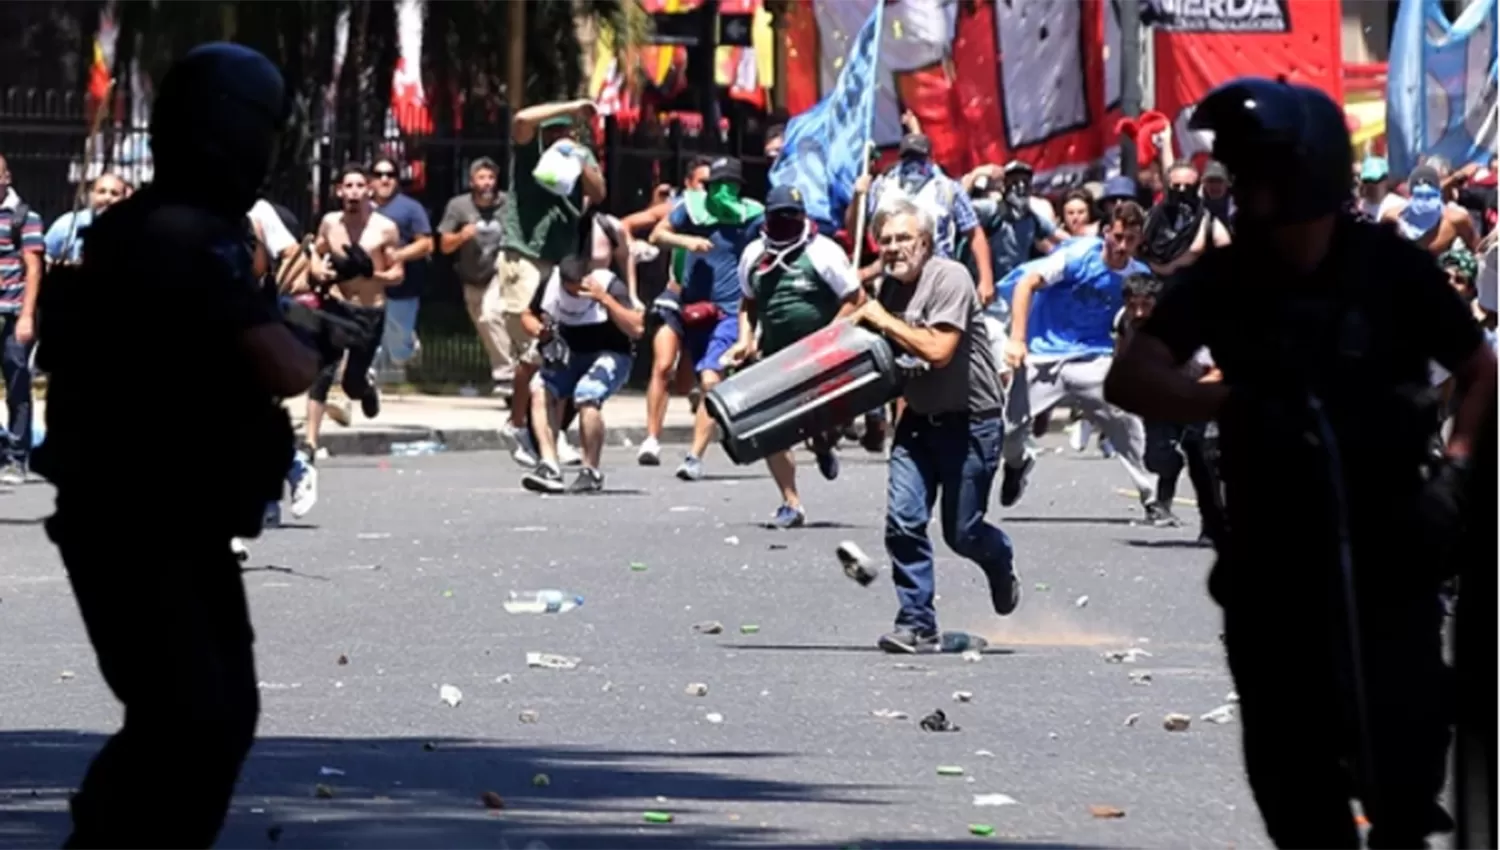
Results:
[541, 780]
[552, 662]
[1052, 736]
[66, 675]
[502, 679]
[937, 722]
[984, 754]
[429, 747]
[323, 792]
[343, 660]
[1222, 714]
[374, 535]
[637, 566]
[971, 655]
[530, 715]
[949, 770]
[450, 695]
[1042, 587]
[417, 448]
[1140, 677]
[749, 629]
[447, 594]
[1133, 719]
[709, 627]
[1126, 656]
[856, 563]
[330, 771]
[1106, 812]
[1081, 601]
[685, 509]
[776, 547]
[994, 800]
[983, 829]
[1232, 696]
[530, 528]
[732, 540]
[491, 800]
[697, 689]
[963, 696]
[889, 714]
[1176, 722]
[656, 817]
[277, 686]
[714, 717]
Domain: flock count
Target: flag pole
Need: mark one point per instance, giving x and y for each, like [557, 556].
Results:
[858, 246]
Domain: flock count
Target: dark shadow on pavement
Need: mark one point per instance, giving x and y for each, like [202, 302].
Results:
[20, 521]
[845, 647]
[1067, 520]
[288, 571]
[1172, 543]
[817, 524]
[409, 792]
[731, 476]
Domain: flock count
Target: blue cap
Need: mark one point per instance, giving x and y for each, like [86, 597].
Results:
[785, 199]
[1374, 169]
[1119, 188]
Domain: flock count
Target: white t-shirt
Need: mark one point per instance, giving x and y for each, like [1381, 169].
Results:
[1376, 210]
[828, 261]
[277, 237]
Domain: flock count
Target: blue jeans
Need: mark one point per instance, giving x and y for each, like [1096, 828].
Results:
[957, 455]
[400, 338]
[15, 368]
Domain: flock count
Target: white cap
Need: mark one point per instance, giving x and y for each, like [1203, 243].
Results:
[1489, 265]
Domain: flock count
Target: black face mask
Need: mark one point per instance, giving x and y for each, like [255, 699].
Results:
[782, 229]
[1185, 196]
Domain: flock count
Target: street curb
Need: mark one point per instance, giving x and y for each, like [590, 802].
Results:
[367, 442]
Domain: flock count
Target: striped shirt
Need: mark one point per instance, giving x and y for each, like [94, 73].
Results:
[12, 267]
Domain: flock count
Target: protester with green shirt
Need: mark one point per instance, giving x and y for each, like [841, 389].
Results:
[793, 282]
[541, 227]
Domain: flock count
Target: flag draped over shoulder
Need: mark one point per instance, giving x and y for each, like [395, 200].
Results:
[824, 149]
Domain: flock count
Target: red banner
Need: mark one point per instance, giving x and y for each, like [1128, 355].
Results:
[1207, 43]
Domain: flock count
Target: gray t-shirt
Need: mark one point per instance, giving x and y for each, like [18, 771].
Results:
[945, 296]
[475, 260]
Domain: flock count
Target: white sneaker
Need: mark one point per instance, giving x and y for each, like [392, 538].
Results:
[237, 546]
[304, 481]
[1078, 435]
[566, 454]
[650, 453]
[524, 453]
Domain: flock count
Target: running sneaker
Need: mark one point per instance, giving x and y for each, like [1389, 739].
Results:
[12, 475]
[1161, 516]
[589, 480]
[857, 565]
[566, 454]
[524, 454]
[874, 436]
[340, 412]
[370, 404]
[904, 641]
[304, 481]
[272, 517]
[1078, 435]
[1005, 591]
[237, 548]
[828, 464]
[650, 453]
[789, 517]
[1013, 484]
[691, 469]
[546, 478]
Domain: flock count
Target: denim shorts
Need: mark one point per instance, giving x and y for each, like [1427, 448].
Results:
[588, 377]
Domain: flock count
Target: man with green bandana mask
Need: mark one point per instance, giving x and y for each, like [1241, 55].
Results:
[540, 227]
[712, 228]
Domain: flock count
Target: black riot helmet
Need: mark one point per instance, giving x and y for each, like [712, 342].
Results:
[1286, 138]
[216, 122]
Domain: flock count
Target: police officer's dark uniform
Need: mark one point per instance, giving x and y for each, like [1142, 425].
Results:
[1326, 417]
[166, 294]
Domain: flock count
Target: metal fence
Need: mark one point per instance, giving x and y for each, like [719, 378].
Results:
[44, 136]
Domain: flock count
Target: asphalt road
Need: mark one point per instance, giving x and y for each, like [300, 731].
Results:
[404, 564]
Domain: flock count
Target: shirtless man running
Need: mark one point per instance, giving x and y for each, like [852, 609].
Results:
[353, 263]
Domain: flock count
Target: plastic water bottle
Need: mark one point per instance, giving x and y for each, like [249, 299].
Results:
[541, 602]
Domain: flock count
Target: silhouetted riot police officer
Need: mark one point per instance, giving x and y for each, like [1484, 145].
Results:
[1341, 525]
[166, 301]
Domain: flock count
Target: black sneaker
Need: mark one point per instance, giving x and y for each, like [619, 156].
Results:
[1005, 591]
[1161, 516]
[370, 404]
[1013, 484]
[874, 436]
[856, 563]
[588, 481]
[904, 641]
[543, 479]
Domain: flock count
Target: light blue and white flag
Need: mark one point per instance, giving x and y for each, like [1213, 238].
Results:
[1442, 77]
